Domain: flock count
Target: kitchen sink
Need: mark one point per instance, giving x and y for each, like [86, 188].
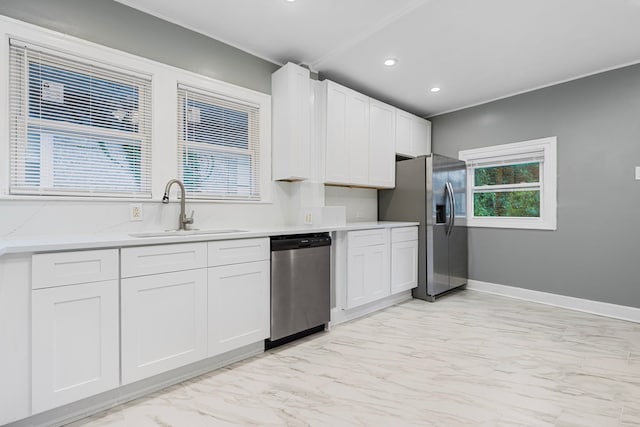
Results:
[167, 233]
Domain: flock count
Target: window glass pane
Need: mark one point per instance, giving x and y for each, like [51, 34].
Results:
[214, 124]
[507, 204]
[510, 174]
[211, 172]
[72, 97]
[79, 161]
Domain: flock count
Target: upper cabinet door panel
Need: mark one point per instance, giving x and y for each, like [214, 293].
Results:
[358, 138]
[382, 145]
[404, 122]
[291, 128]
[421, 137]
[336, 146]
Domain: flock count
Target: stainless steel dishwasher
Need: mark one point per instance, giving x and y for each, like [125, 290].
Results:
[300, 286]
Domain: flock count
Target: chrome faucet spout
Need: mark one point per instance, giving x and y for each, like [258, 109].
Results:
[183, 220]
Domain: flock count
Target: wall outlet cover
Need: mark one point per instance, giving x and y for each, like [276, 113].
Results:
[638, 173]
[135, 212]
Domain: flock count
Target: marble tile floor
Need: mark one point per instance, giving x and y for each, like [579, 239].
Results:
[470, 359]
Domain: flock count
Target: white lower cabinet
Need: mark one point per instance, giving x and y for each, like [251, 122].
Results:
[404, 266]
[367, 274]
[404, 259]
[238, 297]
[164, 320]
[75, 345]
[367, 266]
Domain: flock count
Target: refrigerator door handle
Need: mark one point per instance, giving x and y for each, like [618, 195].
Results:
[447, 190]
[453, 207]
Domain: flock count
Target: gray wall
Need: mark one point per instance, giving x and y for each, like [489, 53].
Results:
[118, 26]
[595, 252]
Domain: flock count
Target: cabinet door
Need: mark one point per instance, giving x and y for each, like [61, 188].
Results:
[367, 274]
[421, 137]
[75, 349]
[378, 283]
[404, 266]
[336, 145]
[382, 145]
[238, 305]
[164, 320]
[291, 111]
[358, 138]
[404, 123]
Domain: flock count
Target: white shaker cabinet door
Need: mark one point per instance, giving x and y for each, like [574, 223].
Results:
[404, 266]
[367, 274]
[421, 137]
[336, 147]
[382, 145]
[238, 305]
[291, 128]
[75, 343]
[164, 321]
[358, 138]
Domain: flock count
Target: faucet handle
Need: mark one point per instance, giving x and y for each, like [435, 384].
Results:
[188, 220]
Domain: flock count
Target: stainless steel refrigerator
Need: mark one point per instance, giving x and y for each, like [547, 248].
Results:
[432, 191]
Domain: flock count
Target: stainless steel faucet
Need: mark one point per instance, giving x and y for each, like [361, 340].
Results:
[184, 220]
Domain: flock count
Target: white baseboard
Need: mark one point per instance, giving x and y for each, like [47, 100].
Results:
[615, 311]
[340, 315]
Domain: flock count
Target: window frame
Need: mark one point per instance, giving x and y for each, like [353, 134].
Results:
[510, 154]
[21, 123]
[163, 103]
[254, 142]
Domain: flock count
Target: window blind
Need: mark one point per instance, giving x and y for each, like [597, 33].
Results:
[218, 145]
[78, 127]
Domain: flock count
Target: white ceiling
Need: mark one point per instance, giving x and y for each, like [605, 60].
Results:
[475, 50]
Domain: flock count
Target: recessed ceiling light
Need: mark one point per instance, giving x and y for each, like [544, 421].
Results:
[289, 1]
[390, 62]
[435, 89]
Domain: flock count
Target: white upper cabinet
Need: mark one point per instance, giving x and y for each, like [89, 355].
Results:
[359, 138]
[413, 135]
[335, 129]
[292, 108]
[382, 132]
[357, 122]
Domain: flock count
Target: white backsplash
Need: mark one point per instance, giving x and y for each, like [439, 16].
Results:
[24, 218]
[361, 203]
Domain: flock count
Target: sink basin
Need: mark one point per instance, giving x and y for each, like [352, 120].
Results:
[167, 233]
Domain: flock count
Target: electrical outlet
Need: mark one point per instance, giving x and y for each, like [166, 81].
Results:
[308, 218]
[638, 173]
[135, 212]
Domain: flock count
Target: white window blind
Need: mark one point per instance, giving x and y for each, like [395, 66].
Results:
[78, 127]
[218, 146]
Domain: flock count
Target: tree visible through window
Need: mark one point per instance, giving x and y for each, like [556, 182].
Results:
[512, 185]
[513, 203]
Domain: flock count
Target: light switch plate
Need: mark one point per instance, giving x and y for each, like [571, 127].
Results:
[638, 173]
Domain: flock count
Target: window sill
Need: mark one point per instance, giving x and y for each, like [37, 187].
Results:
[519, 224]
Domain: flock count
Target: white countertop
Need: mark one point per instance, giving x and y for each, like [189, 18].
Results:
[118, 240]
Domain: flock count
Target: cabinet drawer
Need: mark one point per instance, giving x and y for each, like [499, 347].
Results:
[69, 268]
[361, 238]
[404, 234]
[143, 260]
[225, 252]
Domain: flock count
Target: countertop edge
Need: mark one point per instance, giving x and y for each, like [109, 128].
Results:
[123, 239]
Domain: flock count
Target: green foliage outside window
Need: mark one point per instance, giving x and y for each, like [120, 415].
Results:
[507, 204]
[514, 203]
[505, 175]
